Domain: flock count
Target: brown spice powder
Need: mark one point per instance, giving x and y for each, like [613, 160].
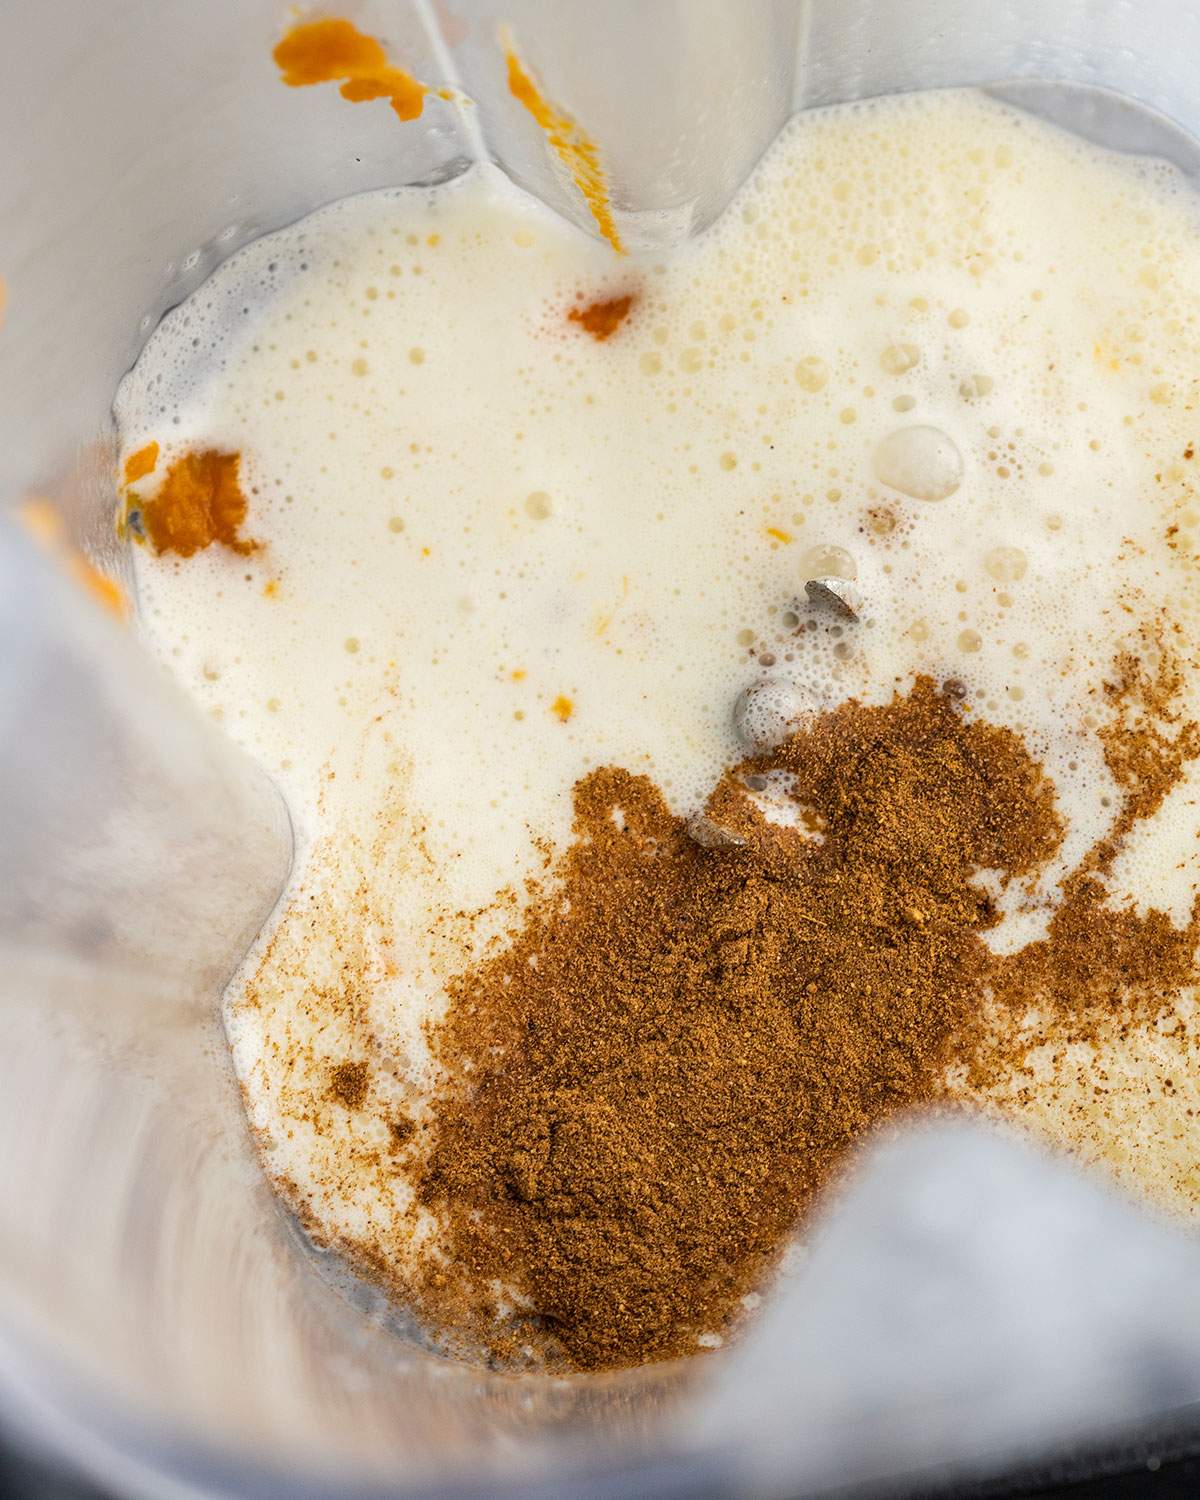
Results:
[674, 1057]
[683, 1042]
[349, 1084]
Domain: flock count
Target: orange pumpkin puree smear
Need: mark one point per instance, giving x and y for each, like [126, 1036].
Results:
[333, 51]
[602, 319]
[44, 523]
[199, 502]
[141, 463]
[572, 145]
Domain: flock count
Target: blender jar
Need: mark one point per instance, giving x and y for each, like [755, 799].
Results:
[162, 1325]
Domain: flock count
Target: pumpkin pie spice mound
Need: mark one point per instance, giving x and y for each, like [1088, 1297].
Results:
[648, 1089]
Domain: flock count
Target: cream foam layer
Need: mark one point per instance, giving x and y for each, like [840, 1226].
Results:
[499, 553]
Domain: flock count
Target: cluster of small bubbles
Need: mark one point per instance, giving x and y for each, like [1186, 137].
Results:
[1006, 564]
[898, 359]
[975, 386]
[812, 373]
[767, 711]
[880, 521]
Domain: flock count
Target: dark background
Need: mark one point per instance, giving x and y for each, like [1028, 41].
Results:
[1154, 1471]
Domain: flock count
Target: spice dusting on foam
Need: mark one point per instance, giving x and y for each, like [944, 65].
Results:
[685, 1040]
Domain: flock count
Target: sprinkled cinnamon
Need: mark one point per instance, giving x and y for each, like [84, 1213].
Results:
[349, 1083]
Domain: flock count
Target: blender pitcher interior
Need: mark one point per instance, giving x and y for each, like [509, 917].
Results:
[161, 1320]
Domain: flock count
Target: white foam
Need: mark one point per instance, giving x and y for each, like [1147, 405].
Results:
[506, 553]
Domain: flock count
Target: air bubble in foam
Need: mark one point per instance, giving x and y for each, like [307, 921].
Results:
[1006, 564]
[828, 561]
[922, 462]
[768, 711]
[812, 373]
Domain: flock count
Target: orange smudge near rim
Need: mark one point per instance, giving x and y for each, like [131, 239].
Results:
[602, 319]
[335, 51]
[562, 708]
[779, 534]
[44, 523]
[141, 463]
[570, 143]
[42, 520]
[107, 591]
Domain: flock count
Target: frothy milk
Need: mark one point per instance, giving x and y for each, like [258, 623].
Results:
[934, 348]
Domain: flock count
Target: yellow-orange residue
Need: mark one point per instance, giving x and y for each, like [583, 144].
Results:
[41, 519]
[104, 589]
[779, 534]
[44, 523]
[199, 502]
[335, 51]
[141, 463]
[602, 319]
[562, 708]
[570, 143]
[1102, 356]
